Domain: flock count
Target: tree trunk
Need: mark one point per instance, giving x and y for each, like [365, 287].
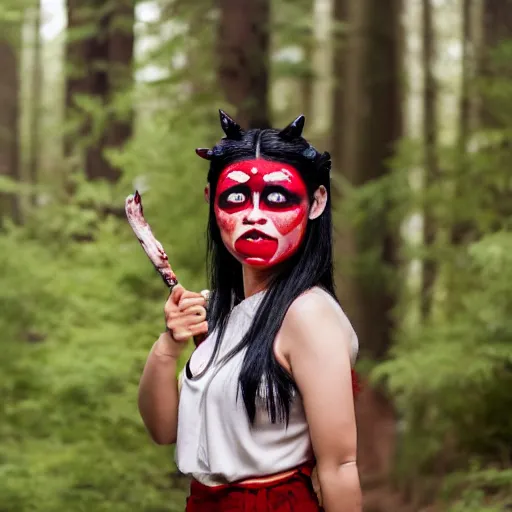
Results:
[307, 80]
[100, 67]
[462, 228]
[322, 64]
[9, 117]
[497, 29]
[465, 99]
[371, 120]
[431, 165]
[37, 89]
[198, 48]
[243, 54]
[496, 70]
[372, 125]
[341, 14]
[78, 80]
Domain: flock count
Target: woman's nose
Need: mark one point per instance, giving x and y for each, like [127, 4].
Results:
[255, 215]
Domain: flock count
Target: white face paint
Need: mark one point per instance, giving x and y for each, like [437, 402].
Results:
[239, 176]
[261, 209]
[282, 175]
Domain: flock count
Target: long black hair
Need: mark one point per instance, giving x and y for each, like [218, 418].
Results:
[311, 265]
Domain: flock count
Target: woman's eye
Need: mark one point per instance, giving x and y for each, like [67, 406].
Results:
[276, 197]
[236, 198]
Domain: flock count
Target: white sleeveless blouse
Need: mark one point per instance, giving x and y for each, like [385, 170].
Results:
[216, 444]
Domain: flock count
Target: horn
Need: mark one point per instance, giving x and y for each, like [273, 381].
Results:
[294, 129]
[231, 128]
[204, 153]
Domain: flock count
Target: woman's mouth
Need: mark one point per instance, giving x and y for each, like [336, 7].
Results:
[256, 244]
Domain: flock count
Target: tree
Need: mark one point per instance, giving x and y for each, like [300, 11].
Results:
[463, 226]
[243, 54]
[322, 63]
[494, 75]
[371, 126]
[487, 31]
[9, 115]
[341, 13]
[466, 100]
[37, 88]
[100, 60]
[497, 29]
[431, 164]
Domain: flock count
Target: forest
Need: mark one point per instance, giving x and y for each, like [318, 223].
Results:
[412, 98]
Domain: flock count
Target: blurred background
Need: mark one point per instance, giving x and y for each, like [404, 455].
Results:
[412, 98]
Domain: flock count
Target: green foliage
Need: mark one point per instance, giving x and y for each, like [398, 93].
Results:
[81, 306]
[474, 501]
[451, 377]
[451, 373]
[77, 322]
[478, 489]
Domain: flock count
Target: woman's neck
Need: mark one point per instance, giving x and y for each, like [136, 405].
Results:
[255, 279]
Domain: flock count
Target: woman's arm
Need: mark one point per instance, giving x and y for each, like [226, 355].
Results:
[158, 392]
[316, 344]
[158, 388]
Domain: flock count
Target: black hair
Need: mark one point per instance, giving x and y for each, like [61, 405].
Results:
[311, 265]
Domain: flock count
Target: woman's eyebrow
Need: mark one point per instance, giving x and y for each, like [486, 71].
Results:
[282, 175]
[238, 176]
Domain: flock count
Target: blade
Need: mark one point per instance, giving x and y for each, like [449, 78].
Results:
[152, 247]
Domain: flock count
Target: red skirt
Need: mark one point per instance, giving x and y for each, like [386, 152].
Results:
[292, 494]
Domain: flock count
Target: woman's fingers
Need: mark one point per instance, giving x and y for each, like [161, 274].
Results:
[199, 329]
[199, 312]
[185, 321]
[185, 314]
[177, 293]
[183, 333]
[183, 327]
[171, 305]
[187, 302]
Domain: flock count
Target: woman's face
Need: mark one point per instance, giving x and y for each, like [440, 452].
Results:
[261, 209]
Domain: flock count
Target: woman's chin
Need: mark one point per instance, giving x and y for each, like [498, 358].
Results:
[260, 263]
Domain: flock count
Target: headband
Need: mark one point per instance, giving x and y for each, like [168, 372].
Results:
[233, 131]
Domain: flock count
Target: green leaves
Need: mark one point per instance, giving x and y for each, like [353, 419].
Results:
[81, 305]
[71, 433]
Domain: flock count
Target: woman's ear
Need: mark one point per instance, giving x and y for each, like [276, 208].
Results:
[207, 193]
[319, 202]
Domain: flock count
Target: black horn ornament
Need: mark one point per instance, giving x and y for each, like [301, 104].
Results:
[294, 129]
[230, 126]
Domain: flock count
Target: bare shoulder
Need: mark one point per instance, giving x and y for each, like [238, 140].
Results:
[316, 320]
[316, 300]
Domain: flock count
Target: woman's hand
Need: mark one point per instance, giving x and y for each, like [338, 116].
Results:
[185, 316]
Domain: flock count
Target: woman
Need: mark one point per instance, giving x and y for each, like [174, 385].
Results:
[268, 394]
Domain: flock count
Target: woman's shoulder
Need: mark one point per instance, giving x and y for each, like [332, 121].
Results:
[316, 306]
[316, 300]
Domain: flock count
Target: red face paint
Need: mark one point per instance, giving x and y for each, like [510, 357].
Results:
[262, 211]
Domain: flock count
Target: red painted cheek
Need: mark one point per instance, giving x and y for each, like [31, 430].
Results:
[225, 221]
[285, 222]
